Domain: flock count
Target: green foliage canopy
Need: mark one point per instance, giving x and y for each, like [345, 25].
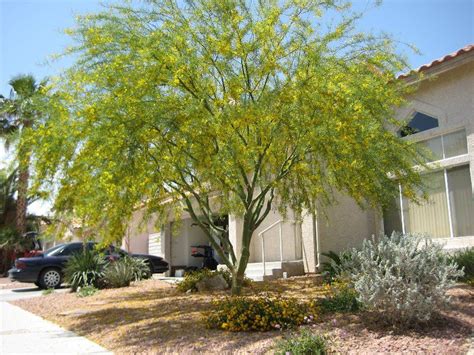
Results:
[223, 107]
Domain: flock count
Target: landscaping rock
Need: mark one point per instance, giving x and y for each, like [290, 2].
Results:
[214, 283]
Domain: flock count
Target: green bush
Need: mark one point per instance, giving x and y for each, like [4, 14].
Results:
[404, 278]
[333, 268]
[85, 268]
[47, 291]
[139, 267]
[342, 298]
[304, 343]
[118, 274]
[465, 261]
[86, 291]
[193, 277]
[260, 313]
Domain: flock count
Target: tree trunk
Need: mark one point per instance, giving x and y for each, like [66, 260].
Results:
[22, 199]
[239, 274]
[22, 189]
[237, 282]
[23, 178]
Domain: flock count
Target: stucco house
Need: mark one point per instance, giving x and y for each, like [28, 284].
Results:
[440, 116]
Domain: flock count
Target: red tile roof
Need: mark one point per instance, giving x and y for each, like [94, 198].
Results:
[444, 59]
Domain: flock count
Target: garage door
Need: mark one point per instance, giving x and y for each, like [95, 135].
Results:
[154, 244]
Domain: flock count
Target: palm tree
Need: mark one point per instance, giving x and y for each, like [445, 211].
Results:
[18, 114]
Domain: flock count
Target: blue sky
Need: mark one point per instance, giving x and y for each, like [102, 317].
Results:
[31, 31]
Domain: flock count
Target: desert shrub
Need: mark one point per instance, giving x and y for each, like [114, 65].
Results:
[193, 277]
[86, 291]
[260, 313]
[85, 268]
[403, 277]
[139, 267]
[303, 343]
[464, 259]
[334, 267]
[118, 274]
[342, 297]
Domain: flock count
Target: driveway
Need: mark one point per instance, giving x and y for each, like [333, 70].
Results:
[22, 332]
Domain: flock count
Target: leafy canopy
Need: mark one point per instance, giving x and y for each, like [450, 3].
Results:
[222, 106]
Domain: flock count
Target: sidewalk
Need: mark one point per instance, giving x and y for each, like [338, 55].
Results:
[22, 332]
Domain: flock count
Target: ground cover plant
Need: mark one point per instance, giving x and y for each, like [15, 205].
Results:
[342, 297]
[303, 343]
[403, 278]
[259, 313]
[464, 259]
[86, 291]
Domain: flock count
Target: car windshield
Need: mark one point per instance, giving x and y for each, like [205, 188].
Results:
[54, 250]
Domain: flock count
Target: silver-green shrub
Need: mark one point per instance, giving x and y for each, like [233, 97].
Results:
[403, 277]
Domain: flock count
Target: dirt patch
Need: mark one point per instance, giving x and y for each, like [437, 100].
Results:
[7, 284]
[153, 317]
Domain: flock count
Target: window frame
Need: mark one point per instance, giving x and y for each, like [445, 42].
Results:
[412, 116]
[447, 194]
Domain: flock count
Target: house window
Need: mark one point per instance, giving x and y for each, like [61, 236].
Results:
[449, 210]
[445, 146]
[419, 123]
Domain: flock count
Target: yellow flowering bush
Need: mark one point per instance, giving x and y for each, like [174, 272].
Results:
[261, 313]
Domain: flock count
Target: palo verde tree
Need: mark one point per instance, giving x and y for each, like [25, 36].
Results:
[223, 107]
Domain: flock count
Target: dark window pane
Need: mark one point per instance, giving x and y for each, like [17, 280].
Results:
[419, 123]
[71, 249]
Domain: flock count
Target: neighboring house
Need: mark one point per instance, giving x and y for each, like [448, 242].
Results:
[440, 116]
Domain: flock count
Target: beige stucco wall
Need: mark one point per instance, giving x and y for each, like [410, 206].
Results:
[290, 235]
[182, 238]
[136, 236]
[449, 97]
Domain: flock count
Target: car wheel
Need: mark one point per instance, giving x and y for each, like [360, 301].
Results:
[50, 278]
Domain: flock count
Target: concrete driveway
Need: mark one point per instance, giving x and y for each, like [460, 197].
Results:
[22, 332]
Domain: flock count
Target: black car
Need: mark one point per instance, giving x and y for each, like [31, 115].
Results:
[46, 270]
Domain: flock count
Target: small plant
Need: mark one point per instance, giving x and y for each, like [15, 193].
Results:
[118, 274]
[303, 343]
[465, 261]
[139, 267]
[342, 298]
[333, 268]
[84, 269]
[404, 278]
[192, 278]
[260, 313]
[47, 292]
[86, 291]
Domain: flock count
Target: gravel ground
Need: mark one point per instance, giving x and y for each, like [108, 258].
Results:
[152, 317]
[7, 284]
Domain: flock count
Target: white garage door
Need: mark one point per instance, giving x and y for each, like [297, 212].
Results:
[154, 244]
